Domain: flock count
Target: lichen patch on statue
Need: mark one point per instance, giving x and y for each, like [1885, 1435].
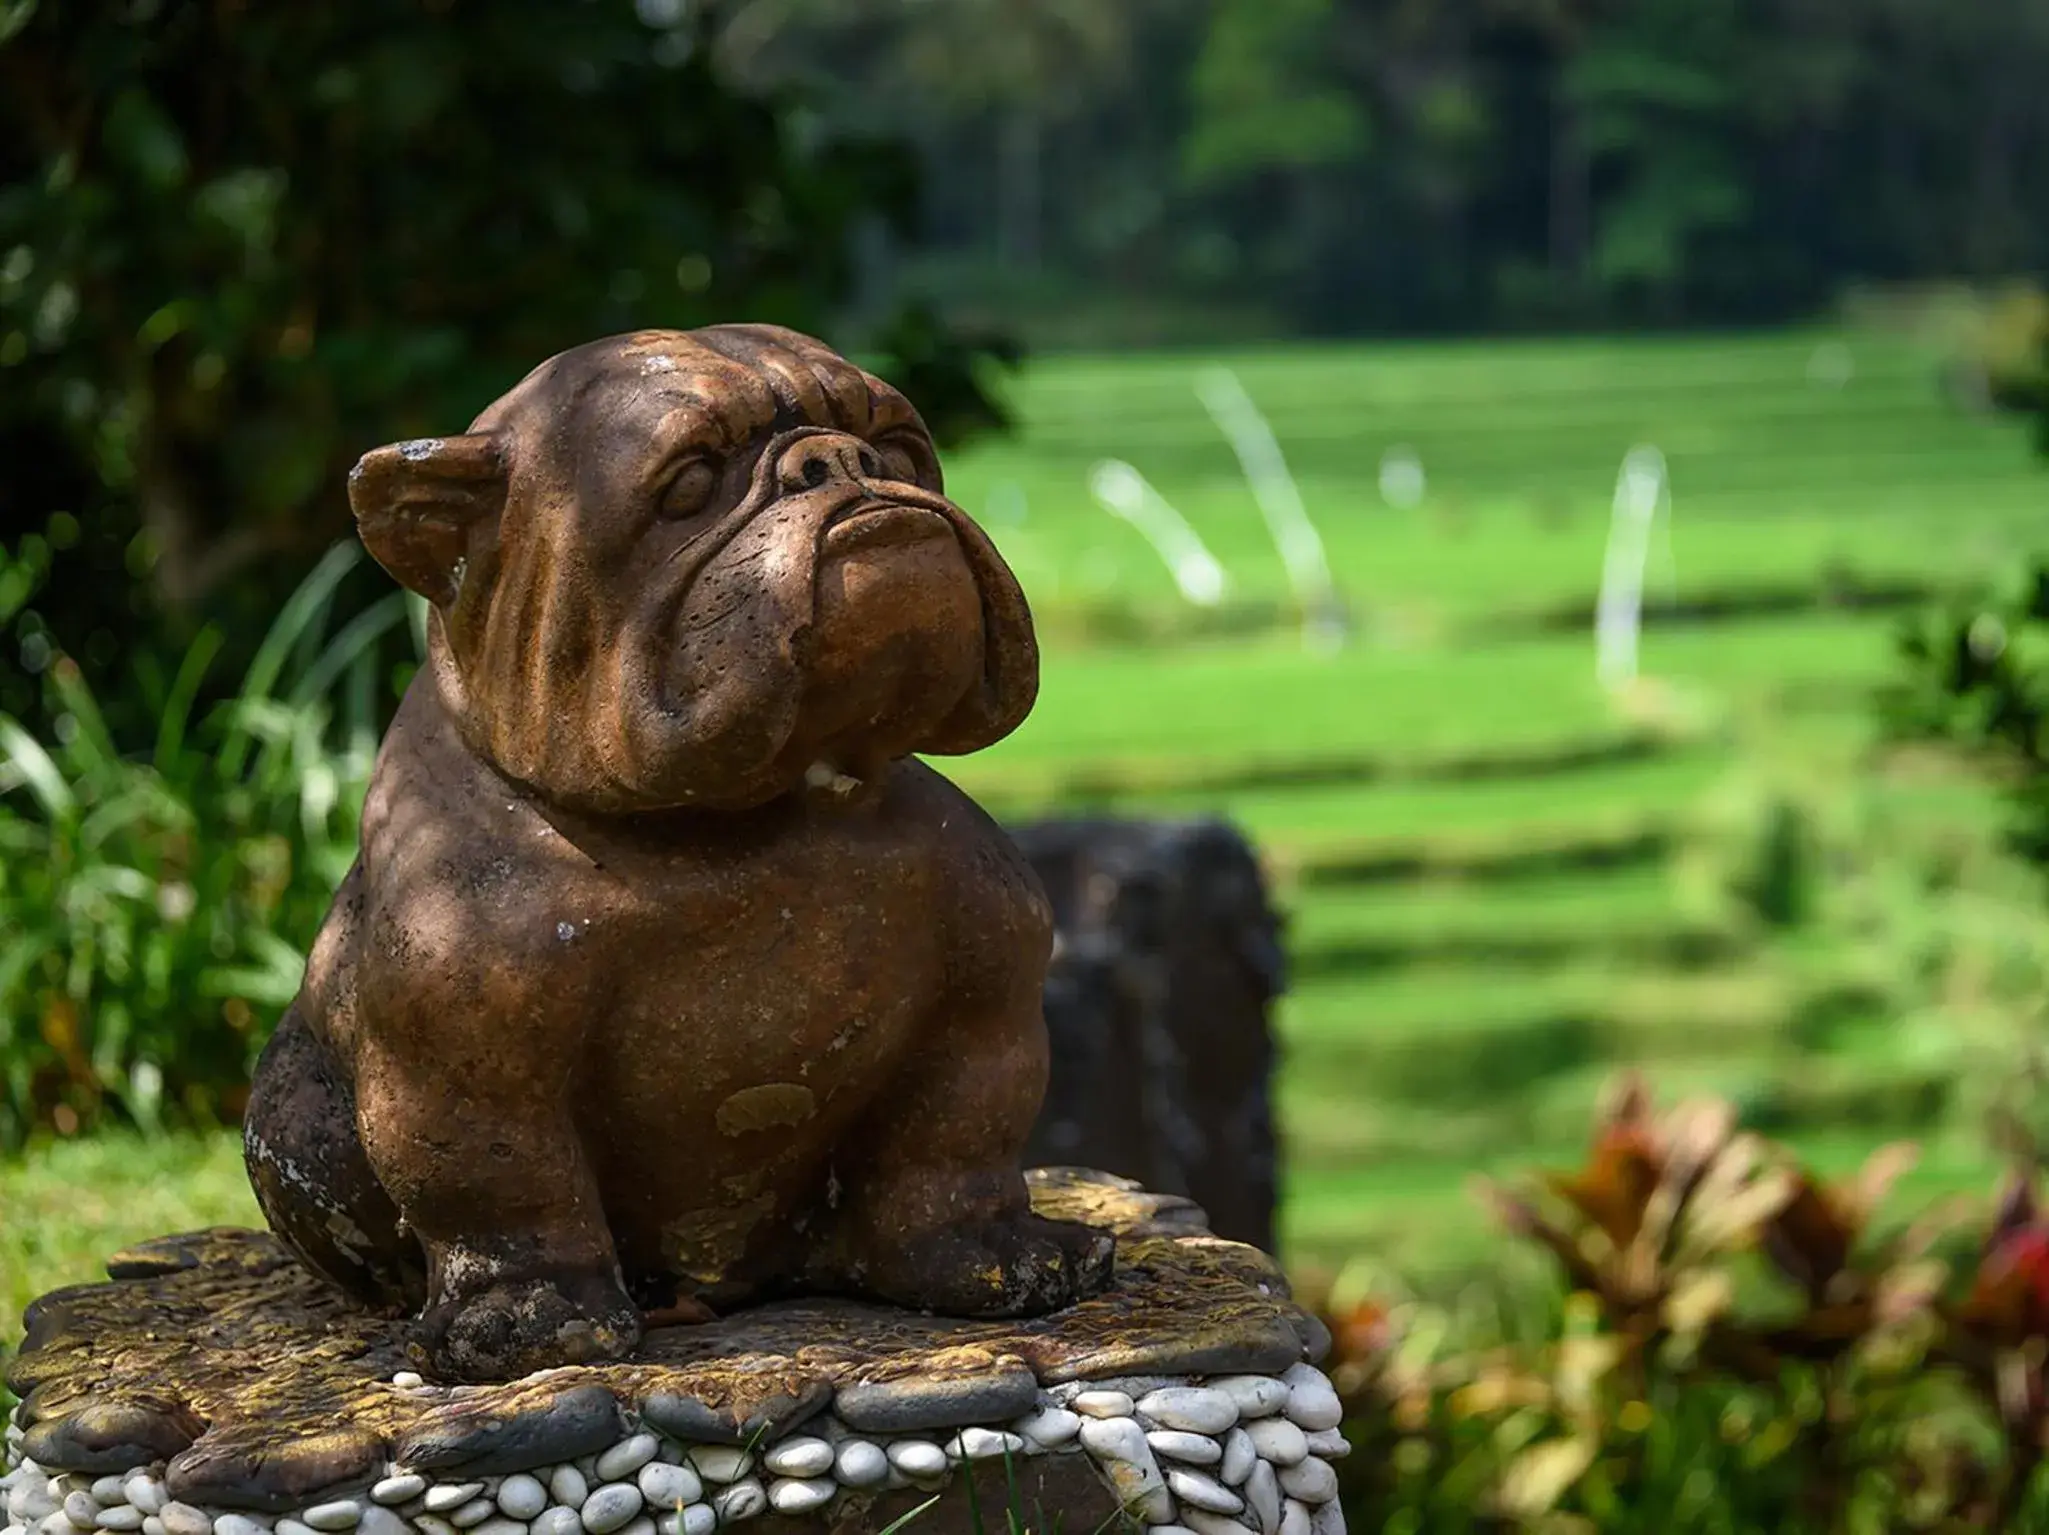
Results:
[696, 600]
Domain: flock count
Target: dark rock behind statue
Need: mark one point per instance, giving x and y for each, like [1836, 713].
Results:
[1167, 964]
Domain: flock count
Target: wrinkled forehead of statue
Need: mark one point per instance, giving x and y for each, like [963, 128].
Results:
[724, 390]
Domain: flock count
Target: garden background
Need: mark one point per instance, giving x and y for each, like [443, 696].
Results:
[1317, 364]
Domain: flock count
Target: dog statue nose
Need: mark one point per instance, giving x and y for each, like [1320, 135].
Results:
[810, 461]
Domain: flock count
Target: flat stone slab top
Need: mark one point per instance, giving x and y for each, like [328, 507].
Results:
[214, 1384]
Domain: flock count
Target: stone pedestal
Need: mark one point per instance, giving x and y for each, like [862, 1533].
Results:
[216, 1388]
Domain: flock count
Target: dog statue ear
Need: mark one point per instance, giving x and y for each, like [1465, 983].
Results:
[416, 502]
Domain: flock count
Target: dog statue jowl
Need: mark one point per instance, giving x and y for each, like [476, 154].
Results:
[667, 979]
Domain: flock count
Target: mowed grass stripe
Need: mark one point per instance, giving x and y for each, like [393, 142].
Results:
[1512, 553]
[1630, 916]
[1273, 701]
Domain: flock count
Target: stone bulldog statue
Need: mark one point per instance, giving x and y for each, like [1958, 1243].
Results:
[666, 980]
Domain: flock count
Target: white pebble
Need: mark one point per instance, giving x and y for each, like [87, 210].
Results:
[918, 1458]
[56, 1524]
[861, 1464]
[627, 1457]
[559, 1520]
[719, 1462]
[382, 1521]
[1327, 1520]
[1119, 1447]
[669, 1487]
[1194, 1488]
[697, 1519]
[612, 1507]
[434, 1524]
[1256, 1396]
[1239, 1457]
[521, 1497]
[1103, 1404]
[121, 1517]
[184, 1519]
[641, 1526]
[1176, 1444]
[742, 1500]
[1330, 1444]
[983, 1444]
[147, 1494]
[81, 1510]
[408, 1380]
[108, 1490]
[342, 1514]
[1197, 1409]
[1050, 1427]
[393, 1490]
[1116, 1439]
[1294, 1518]
[1263, 1497]
[1313, 1481]
[800, 1495]
[500, 1525]
[1312, 1401]
[152, 1525]
[450, 1496]
[568, 1487]
[293, 1527]
[470, 1515]
[802, 1457]
[1279, 1441]
[29, 1503]
[1203, 1522]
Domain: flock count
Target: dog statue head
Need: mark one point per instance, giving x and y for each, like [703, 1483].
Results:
[700, 570]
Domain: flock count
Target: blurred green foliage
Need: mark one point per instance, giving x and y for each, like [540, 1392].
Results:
[239, 246]
[155, 908]
[1345, 166]
[1728, 1341]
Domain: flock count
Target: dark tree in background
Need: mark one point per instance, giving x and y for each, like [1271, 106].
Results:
[1371, 166]
[240, 244]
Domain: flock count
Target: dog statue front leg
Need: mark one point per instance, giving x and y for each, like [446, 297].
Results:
[493, 1179]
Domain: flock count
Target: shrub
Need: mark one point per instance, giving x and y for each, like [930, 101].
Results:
[1739, 1346]
[156, 908]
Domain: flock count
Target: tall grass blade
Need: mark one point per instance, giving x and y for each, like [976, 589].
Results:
[34, 767]
[903, 1519]
[301, 609]
[356, 638]
[177, 715]
[416, 617]
[92, 743]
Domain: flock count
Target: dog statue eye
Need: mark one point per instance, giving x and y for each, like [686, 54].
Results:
[901, 461]
[690, 489]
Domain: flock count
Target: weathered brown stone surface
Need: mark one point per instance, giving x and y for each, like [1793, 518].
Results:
[263, 1386]
[649, 846]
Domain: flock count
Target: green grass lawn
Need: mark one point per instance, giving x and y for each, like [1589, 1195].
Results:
[1456, 1019]
[1461, 990]
[66, 1206]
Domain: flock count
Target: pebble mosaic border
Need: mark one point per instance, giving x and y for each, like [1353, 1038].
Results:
[1232, 1455]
